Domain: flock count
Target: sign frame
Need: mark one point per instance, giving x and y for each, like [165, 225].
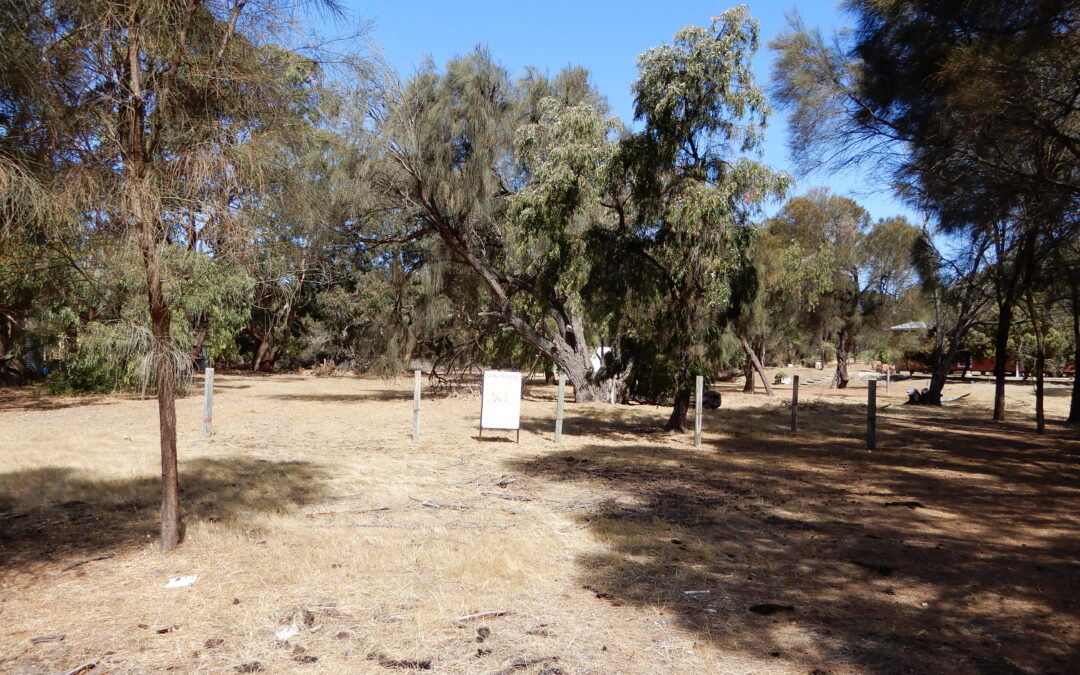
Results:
[510, 401]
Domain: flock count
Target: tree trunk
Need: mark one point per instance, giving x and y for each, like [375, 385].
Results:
[756, 364]
[578, 376]
[1074, 404]
[1040, 364]
[749, 374]
[1001, 352]
[165, 376]
[265, 346]
[840, 377]
[677, 421]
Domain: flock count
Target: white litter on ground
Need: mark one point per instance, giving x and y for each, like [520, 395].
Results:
[181, 582]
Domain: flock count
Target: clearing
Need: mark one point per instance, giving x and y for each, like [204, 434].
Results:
[326, 540]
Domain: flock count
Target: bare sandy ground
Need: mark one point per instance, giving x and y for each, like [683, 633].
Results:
[953, 548]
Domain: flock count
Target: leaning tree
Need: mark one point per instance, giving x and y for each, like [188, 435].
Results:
[499, 172]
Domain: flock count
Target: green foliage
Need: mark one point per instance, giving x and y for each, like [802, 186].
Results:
[834, 274]
[693, 200]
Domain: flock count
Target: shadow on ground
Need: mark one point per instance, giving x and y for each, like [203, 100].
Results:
[954, 548]
[384, 395]
[52, 515]
[21, 399]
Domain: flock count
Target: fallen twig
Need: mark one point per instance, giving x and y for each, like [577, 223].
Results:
[434, 505]
[89, 665]
[482, 615]
[334, 513]
[410, 664]
[513, 498]
[47, 638]
[102, 556]
[524, 662]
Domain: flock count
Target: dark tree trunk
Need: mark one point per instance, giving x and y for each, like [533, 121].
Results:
[677, 421]
[1040, 363]
[12, 372]
[749, 374]
[1001, 351]
[1074, 403]
[843, 346]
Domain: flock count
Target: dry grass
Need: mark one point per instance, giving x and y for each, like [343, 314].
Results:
[309, 497]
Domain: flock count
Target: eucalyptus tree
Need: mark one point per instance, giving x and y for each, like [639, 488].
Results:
[693, 196]
[499, 174]
[843, 271]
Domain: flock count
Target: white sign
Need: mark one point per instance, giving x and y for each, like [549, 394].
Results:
[500, 407]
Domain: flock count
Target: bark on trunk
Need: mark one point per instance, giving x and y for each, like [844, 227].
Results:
[1074, 404]
[749, 374]
[165, 376]
[1040, 364]
[265, 346]
[1001, 349]
[677, 421]
[840, 377]
[756, 364]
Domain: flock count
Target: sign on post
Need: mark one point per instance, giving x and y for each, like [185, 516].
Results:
[500, 404]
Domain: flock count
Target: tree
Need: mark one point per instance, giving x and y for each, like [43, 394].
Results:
[152, 102]
[693, 197]
[970, 105]
[506, 207]
[843, 271]
[958, 287]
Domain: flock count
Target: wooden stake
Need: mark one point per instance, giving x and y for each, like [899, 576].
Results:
[1040, 412]
[871, 415]
[794, 404]
[416, 406]
[559, 408]
[208, 402]
[698, 386]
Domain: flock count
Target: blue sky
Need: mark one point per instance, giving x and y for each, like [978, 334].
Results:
[603, 36]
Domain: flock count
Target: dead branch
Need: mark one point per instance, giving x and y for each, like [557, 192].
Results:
[89, 665]
[513, 498]
[102, 556]
[524, 662]
[482, 615]
[335, 513]
[434, 505]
